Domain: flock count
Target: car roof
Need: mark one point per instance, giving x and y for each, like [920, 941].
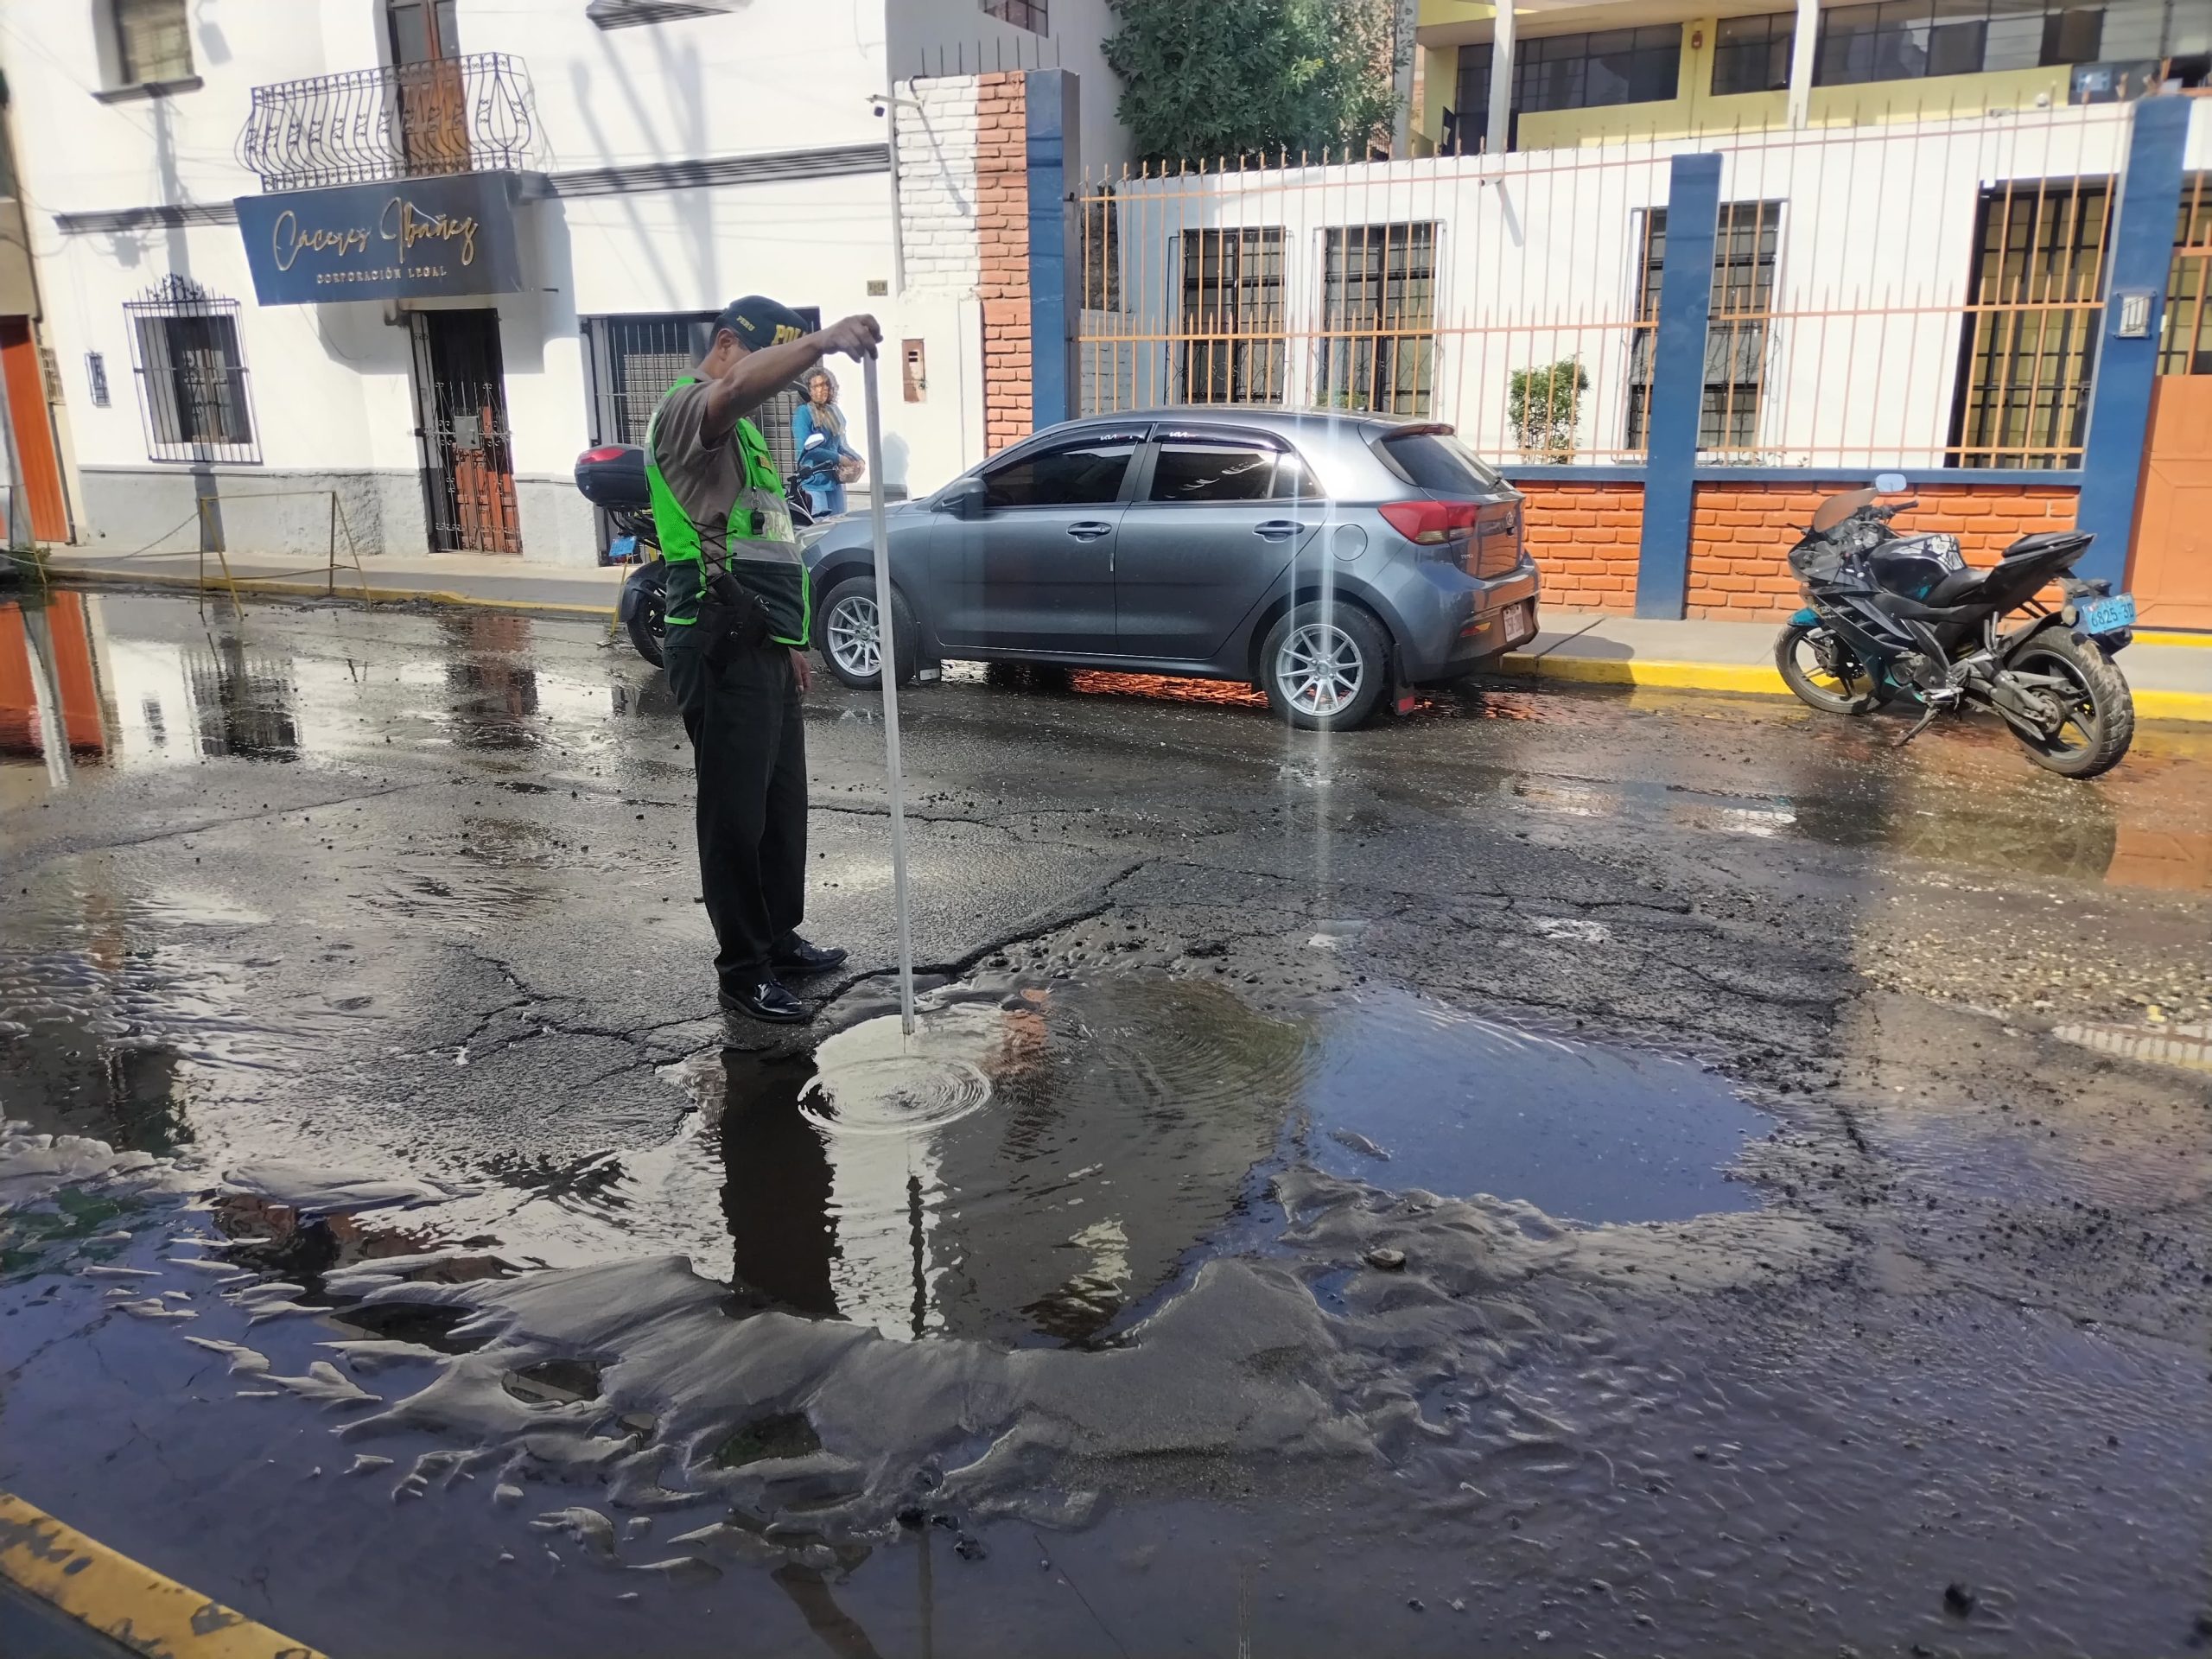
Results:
[1284, 422]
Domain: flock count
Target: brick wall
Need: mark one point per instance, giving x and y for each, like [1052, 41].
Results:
[1584, 538]
[1741, 535]
[937, 204]
[1002, 229]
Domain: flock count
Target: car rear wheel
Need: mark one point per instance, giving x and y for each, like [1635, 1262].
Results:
[849, 634]
[1323, 666]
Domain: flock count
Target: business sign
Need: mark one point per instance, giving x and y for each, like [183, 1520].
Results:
[409, 239]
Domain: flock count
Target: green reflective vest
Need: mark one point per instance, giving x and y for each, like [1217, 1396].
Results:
[758, 546]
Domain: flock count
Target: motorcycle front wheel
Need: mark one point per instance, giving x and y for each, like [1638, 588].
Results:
[2099, 710]
[1821, 671]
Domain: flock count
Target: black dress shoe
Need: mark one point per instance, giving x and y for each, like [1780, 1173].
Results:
[796, 956]
[768, 999]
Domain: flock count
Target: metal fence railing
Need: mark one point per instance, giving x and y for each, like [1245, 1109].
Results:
[401, 121]
[1920, 293]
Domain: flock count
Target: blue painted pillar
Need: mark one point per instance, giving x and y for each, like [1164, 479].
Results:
[1050, 98]
[2128, 369]
[1662, 565]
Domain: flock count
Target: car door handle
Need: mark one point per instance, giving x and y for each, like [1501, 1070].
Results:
[1089, 530]
[1278, 530]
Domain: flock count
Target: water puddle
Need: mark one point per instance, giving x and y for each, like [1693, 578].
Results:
[1404, 1091]
[1040, 1162]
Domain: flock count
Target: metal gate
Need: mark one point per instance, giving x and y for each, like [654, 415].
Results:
[468, 473]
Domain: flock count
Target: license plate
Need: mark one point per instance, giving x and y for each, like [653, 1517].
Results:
[1519, 624]
[2113, 615]
[622, 549]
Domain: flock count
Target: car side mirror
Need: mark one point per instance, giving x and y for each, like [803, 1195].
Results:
[1890, 483]
[966, 497]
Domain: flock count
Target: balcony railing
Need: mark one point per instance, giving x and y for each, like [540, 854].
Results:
[405, 121]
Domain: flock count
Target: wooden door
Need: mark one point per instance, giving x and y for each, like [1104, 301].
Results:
[469, 455]
[433, 98]
[2170, 572]
[33, 423]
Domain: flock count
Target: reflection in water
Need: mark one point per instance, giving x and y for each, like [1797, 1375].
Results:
[488, 669]
[240, 705]
[1116, 1130]
[1122, 1125]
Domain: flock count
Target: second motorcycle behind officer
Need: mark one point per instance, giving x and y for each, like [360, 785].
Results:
[739, 611]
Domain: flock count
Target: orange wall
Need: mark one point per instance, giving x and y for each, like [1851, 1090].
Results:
[1741, 535]
[1584, 538]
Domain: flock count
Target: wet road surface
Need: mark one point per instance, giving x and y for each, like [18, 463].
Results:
[1558, 1173]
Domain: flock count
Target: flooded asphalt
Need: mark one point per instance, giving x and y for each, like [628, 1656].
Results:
[1554, 1173]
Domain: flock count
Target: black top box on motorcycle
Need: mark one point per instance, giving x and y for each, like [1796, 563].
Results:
[615, 476]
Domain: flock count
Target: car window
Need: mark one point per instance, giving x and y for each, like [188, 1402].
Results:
[1438, 461]
[1080, 475]
[1188, 470]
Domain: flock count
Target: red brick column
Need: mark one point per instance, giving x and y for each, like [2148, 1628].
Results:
[1002, 228]
[1584, 539]
[1741, 535]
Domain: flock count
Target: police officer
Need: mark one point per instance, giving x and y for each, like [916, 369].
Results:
[739, 610]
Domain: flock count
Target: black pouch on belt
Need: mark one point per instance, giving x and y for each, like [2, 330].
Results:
[734, 619]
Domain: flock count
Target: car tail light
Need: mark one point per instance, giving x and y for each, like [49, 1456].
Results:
[1432, 524]
[610, 452]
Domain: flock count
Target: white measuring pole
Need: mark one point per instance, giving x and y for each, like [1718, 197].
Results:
[887, 646]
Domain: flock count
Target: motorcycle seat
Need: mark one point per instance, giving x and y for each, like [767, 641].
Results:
[2042, 541]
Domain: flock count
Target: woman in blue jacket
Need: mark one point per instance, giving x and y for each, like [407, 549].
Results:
[826, 463]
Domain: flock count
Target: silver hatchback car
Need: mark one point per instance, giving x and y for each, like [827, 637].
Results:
[1332, 560]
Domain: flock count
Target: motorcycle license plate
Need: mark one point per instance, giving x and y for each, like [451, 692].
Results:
[623, 549]
[1519, 625]
[2113, 615]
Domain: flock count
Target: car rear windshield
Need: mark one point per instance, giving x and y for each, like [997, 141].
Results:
[1437, 461]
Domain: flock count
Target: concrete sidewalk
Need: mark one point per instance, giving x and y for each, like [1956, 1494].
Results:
[452, 578]
[2171, 673]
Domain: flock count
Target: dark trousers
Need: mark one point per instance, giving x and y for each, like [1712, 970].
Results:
[750, 752]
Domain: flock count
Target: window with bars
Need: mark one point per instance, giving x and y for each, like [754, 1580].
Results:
[1577, 71]
[1746, 238]
[1378, 319]
[192, 378]
[1035, 16]
[1230, 335]
[2027, 346]
[153, 41]
[635, 360]
[2027, 341]
[2185, 336]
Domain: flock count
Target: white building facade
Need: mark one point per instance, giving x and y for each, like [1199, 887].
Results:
[390, 265]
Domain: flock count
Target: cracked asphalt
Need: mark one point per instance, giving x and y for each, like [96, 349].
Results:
[1557, 1173]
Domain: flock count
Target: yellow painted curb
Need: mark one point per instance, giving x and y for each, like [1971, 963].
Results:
[1754, 680]
[2164, 637]
[133, 1605]
[319, 590]
[2173, 705]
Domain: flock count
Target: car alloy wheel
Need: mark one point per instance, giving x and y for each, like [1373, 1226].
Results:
[854, 636]
[1319, 669]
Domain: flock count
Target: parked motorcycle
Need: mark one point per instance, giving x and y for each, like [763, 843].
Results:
[612, 478]
[1903, 618]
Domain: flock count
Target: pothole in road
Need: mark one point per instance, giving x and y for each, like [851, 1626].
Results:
[1039, 1160]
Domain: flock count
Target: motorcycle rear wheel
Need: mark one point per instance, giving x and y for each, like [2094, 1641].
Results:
[1797, 655]
[2100, 723]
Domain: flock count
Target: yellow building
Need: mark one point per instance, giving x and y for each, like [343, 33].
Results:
[1593, 73]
